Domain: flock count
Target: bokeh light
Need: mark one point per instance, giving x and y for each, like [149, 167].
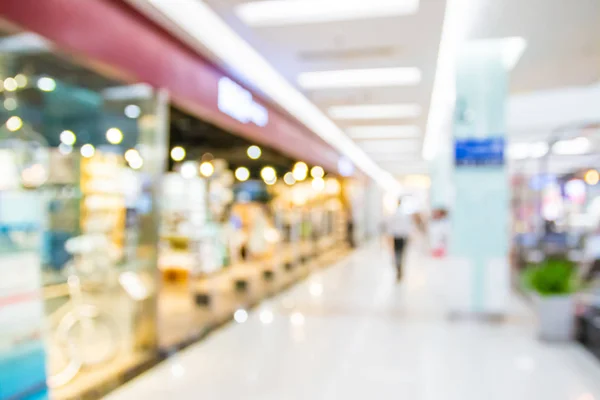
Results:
[254, 152]
[242, 174]
[178, 153]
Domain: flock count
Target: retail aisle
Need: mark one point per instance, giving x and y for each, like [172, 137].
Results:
[351, 333]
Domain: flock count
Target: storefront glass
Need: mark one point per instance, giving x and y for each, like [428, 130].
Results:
[83, 208]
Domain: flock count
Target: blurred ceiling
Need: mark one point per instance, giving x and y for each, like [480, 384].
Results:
[563, 52]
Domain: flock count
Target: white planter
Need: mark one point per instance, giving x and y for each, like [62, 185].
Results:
[556, 317]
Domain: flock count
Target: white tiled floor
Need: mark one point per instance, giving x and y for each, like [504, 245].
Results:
[351, 333]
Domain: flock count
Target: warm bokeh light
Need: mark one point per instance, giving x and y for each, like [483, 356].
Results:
[268, 174]
[34, 176]
[10, 84]
[271, 182]
[14, 123]
[289, 179]
[242, 174]
[189, 169]
[318, 184]
[254, 152]
[68, 137]
[114, 136]
[592, 177]
[300, 171]
[178, 153]
[87, 150]
[333, 186]
[207, 169]
[136, 163]
[317, 172]
[134, 159]
[21, 80]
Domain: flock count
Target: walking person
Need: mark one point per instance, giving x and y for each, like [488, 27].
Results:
[400, 228]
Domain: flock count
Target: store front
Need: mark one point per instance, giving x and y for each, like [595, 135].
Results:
[110, 281]
[239, 222]
[78, 213]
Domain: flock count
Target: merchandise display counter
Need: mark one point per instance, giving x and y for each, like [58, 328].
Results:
[196, 306]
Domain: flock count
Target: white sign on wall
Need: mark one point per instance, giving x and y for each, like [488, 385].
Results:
[238, 103]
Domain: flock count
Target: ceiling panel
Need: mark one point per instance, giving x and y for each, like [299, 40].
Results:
[401, 41]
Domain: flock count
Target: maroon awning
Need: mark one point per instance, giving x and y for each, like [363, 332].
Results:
[135, 49]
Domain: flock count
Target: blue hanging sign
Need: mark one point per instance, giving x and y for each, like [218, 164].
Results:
[479, 151]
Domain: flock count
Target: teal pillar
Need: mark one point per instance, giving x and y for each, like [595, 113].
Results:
[479, 240]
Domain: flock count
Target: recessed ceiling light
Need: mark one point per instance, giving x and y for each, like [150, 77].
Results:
[375, 111]
[522, 151]
[353, 78]
[576, 146]
[383, 131]
[391, 146]
[286, 12]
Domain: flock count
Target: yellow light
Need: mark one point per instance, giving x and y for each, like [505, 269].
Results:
[177, 153]
[592, 177]
[301, 165]
[189, 169]
[289, 179]
[318, 184]
[332, 186]
[254, 152]
[242, 174]
[136, 163]
[131, 155]
[317, 172]
[114, 136]
[207, 169]
[87, 150]
[271, 182]
[10, 84]
[268, 174]
[14, 123]
[21, 80]
[300, 171]
[68, 137]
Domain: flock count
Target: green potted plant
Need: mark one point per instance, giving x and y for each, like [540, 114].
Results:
[554, 281]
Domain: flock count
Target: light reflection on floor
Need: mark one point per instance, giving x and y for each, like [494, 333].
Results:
[351, 333]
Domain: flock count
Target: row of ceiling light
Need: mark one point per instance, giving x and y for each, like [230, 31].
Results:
[286, 12]
[576, 146]
[299, 172]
